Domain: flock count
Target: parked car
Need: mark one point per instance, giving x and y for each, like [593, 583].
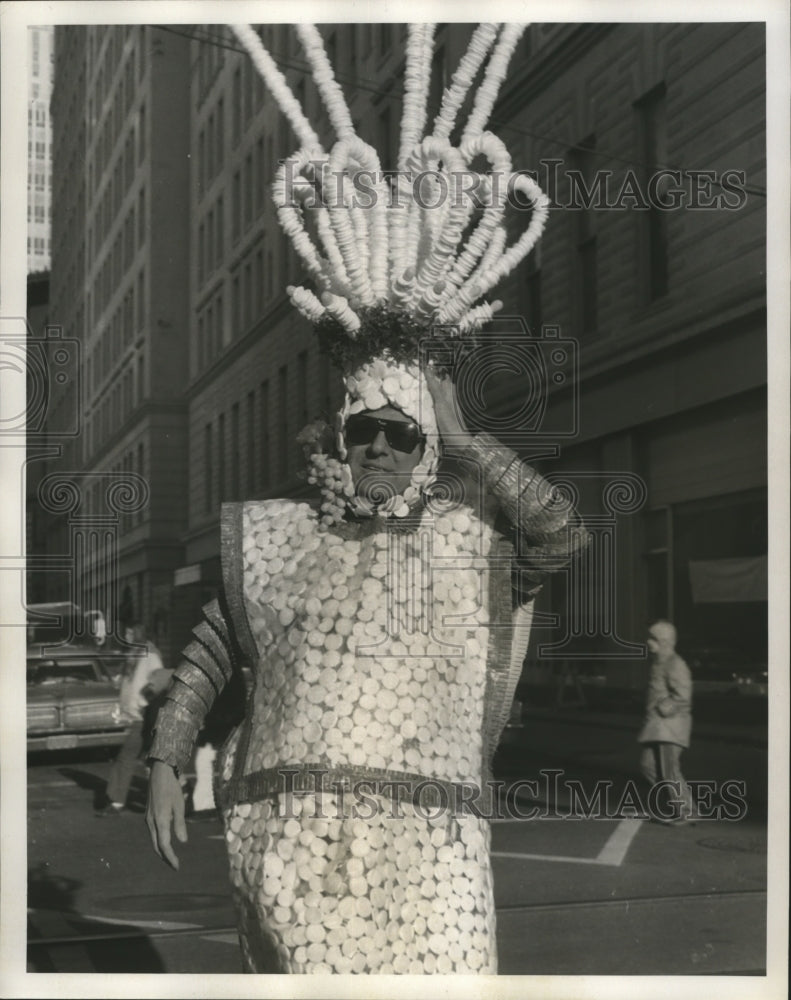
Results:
[726, 671]
[72, 700]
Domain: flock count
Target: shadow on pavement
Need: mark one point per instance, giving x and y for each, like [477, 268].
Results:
[60, 939]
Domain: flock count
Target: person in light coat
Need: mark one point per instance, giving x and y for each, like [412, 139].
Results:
[667, 726]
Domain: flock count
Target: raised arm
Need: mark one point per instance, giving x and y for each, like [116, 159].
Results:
[549, 531]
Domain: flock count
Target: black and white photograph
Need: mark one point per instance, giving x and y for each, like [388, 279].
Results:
[394, 442]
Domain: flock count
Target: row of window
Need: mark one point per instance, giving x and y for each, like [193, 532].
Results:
[117, 183]
[38, 245]
[129, 237]
[111, 411]
[229, 447]
[127, 321]
[39, 213]
[254, 286]
[131, 462]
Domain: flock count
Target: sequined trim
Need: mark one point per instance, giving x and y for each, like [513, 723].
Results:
[232, 533]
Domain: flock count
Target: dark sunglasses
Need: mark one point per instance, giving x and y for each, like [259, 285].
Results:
[362, 429]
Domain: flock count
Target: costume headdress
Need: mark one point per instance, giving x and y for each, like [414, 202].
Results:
[391, 260]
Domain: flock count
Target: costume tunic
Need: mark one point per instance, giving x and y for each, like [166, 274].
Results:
[376, 658]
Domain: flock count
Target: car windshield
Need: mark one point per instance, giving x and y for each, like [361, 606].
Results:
[73, 671]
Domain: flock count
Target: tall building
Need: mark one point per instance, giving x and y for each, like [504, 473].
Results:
[120, 283]
[645, 366]
[41, 59]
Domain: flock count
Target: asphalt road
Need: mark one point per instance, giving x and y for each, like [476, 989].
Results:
[575, 895]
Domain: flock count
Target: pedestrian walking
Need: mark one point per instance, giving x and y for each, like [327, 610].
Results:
[667, 727]
[386, 629]
[143, 682]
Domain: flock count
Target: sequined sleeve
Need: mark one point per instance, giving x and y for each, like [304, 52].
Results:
[205, 668]
[549, 532]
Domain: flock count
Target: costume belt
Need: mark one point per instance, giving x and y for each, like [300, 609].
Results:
[429, 794]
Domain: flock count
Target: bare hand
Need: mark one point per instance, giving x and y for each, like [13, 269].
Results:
[165, 809]
[446, 409]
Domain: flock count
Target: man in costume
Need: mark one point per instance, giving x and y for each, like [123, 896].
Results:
[667, 725]
[385, 630]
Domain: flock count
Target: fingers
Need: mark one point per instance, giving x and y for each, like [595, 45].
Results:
[179, 825]
[159, 820]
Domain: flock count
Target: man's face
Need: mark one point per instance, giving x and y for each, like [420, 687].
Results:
[382, 456]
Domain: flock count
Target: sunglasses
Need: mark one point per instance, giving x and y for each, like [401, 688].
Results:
[362, 429]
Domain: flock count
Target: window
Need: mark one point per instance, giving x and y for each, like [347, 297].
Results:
[220, 249]
[141, 299]
[302, 386]
[236, 486]
[236, 307]
[141, 133]
[259, 284]
[141, 217]
[248, 190]
[201, 162]
[210, 241]
[585, 270]
[248, 295]
[211, 148]
[531, 306]
[208, 472]
[236, 207]
[237, 105]
[219, 137]
[263, 423]
[282, 400]
[221, 446]
[652, 131]
[219, 318]
[251, 468]
[259, 177]
[141, 472]
[249, 72]
[384, 38]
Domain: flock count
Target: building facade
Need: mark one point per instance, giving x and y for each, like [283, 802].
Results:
[120, 282]
[41, 59]
[645, 304]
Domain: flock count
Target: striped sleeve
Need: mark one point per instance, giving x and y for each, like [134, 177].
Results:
[205, 668]
[548, 531]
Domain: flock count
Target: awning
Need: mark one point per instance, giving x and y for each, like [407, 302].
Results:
[726, 581]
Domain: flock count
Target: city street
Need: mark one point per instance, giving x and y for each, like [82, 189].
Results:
[600, 896]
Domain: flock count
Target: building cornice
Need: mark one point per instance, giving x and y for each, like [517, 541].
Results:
[136, 419]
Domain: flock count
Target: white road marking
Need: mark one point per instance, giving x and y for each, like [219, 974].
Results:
[51, 784]
[614, 851]
[612, 854]
[545, 857]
